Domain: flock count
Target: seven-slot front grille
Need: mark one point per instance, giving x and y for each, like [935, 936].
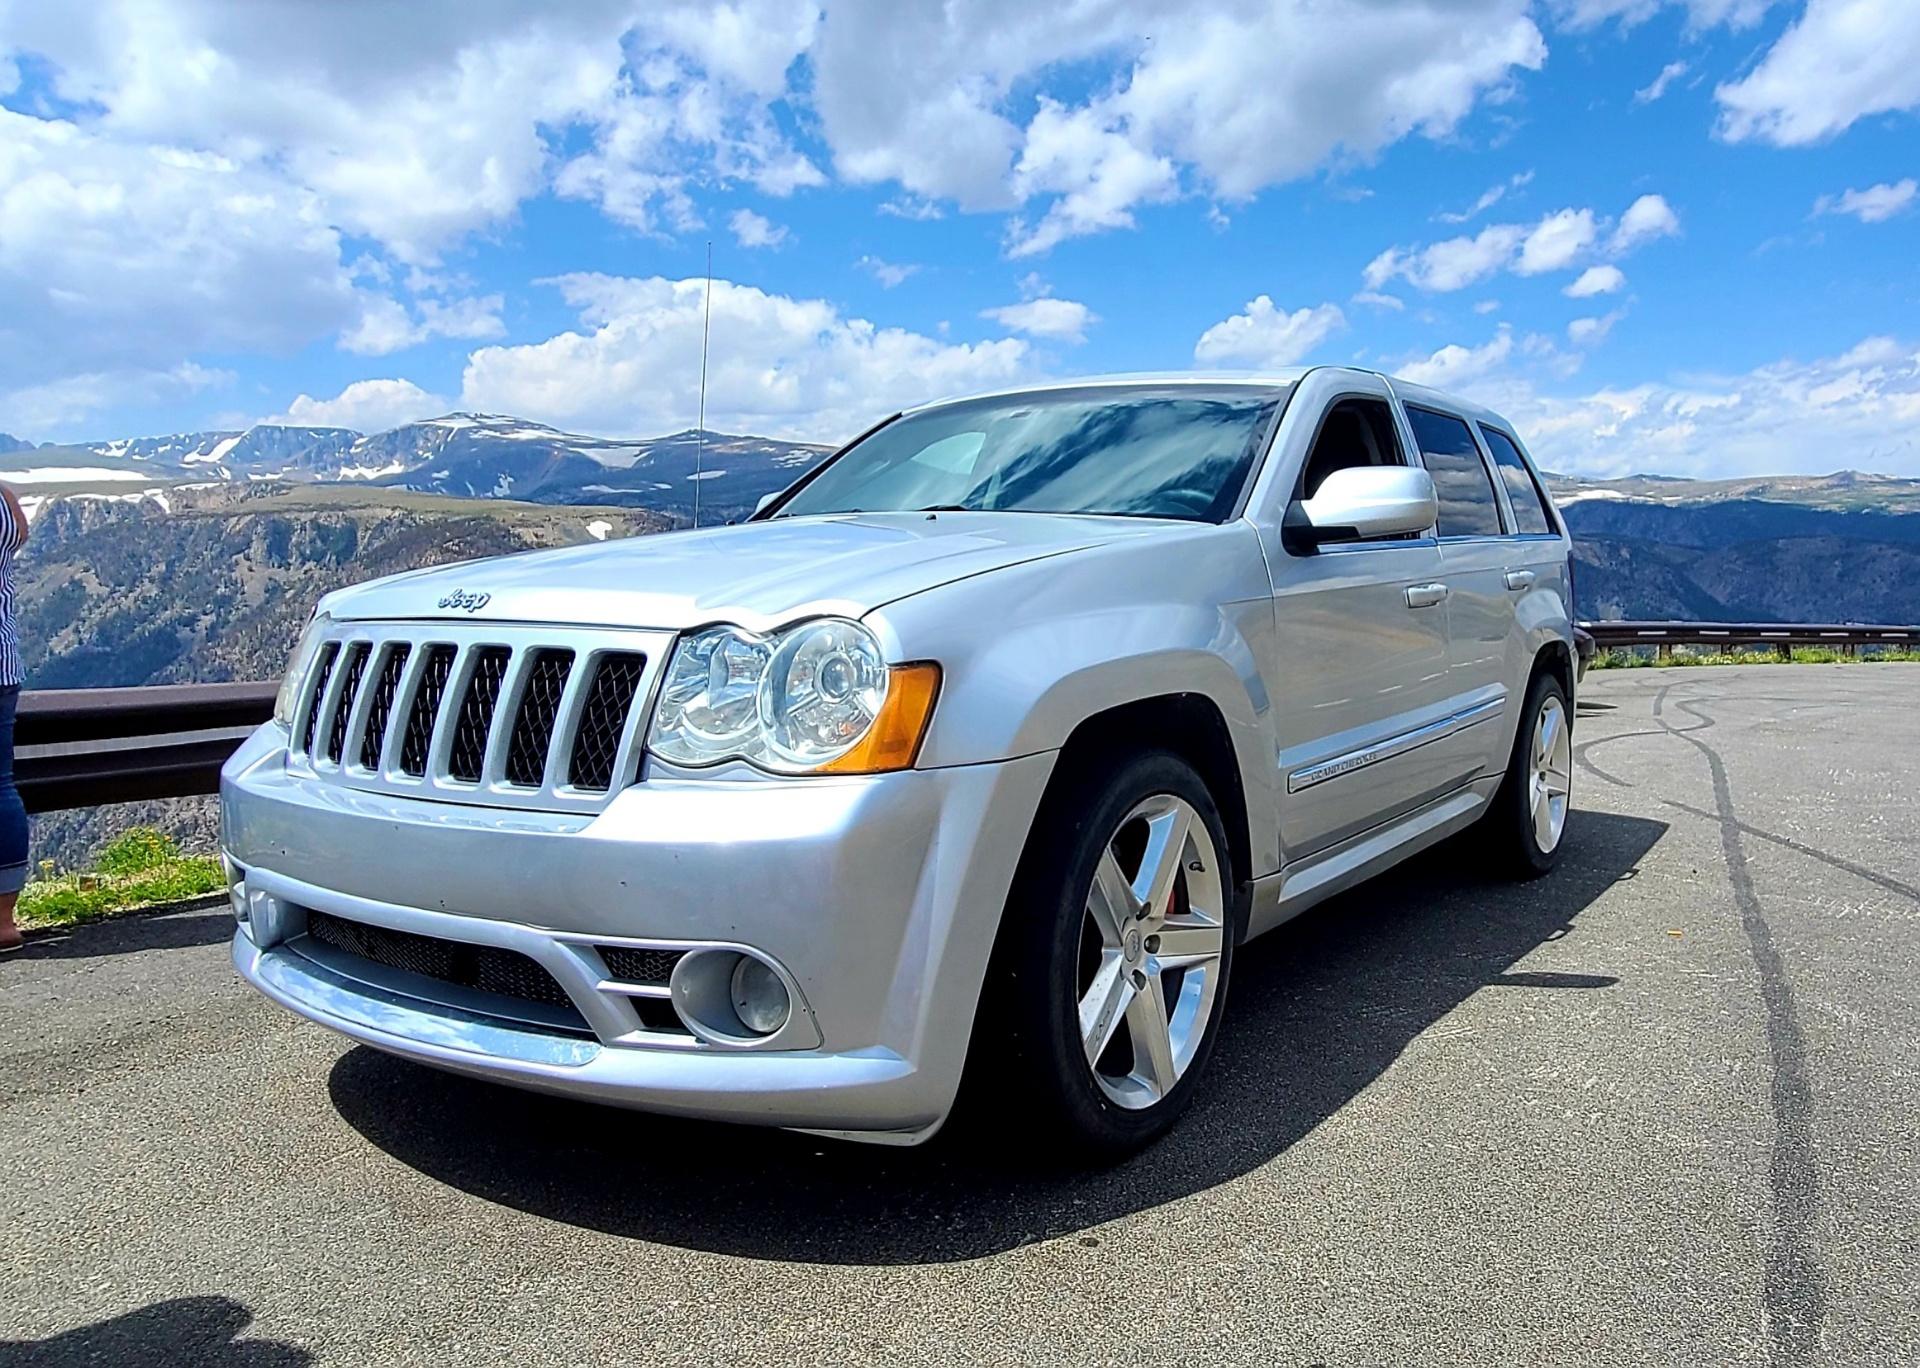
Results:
[322, 673]
[380, 707]
[603, 721]
[533, 720]
[425, 711]
[356, 666]
[474, 725]
[496, 715]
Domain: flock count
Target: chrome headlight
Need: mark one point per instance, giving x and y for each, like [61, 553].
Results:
[815, 698]
[303, 654]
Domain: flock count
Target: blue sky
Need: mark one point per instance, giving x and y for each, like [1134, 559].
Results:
[1661, 236]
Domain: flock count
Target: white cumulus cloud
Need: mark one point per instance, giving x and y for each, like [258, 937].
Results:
[1701, 14]
[118, 258]
[1262, 336]
[1841, 61]
[365, 406]
[1064, 320]
[1669, 73]
[1591, 332]
[1875, 204]
[1647, 218]
[1454, 365]
[386, 325]
[1235, 96]
[889, 273]
[755, 230]
[1857, 410]
[780, 366]
[1596, 280]
[1556, 242]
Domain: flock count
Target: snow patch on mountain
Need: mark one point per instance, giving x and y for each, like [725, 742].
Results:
[71, 474]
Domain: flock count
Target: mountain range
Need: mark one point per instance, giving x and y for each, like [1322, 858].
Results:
[469, 455]
[1839, 547]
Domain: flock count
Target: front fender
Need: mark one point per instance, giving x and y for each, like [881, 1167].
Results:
[1030, 652]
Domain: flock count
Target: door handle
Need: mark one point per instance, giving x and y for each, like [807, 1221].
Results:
[1519, 579]
[1425, 595]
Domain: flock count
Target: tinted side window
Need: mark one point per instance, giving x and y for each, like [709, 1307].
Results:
[1468, 507]
[1529, 504]
[1356, 432]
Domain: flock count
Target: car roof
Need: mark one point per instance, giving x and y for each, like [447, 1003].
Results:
[1407, 390]
[1272, 380]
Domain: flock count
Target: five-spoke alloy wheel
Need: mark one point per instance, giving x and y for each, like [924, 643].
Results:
[1112, 966]
[1526, 824]
[1150, 951]
[1551, 781]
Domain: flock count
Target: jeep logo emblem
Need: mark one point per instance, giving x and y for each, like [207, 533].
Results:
[466, 602]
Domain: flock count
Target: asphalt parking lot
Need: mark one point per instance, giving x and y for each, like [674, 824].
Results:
[1662, 1107]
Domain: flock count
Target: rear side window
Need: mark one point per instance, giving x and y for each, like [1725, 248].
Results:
[1468, 507]
[1529, 504]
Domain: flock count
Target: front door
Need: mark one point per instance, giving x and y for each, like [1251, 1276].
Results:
[1360, 675]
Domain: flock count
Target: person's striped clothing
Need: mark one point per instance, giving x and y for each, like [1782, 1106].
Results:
[12, 533]
[14, 835]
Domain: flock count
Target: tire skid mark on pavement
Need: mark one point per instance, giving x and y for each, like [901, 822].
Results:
[1580, 755]
[1664, 729]
[1892, 885]
[1795, 1288]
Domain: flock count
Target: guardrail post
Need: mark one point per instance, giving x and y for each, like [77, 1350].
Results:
[1785, 649]
[1664, 651]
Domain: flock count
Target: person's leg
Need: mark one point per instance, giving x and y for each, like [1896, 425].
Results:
[13, 826]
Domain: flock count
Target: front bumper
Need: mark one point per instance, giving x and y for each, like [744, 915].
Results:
[877, 898]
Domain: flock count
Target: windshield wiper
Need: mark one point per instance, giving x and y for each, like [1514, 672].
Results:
[948, 508]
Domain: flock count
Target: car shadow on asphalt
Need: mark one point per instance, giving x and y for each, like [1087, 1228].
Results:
[131, 934]
[203, 1331]
[1319, 1009]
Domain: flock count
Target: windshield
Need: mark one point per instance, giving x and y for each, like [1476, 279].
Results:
[1168, 452]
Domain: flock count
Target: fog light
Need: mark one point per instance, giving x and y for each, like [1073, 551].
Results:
[759, 997]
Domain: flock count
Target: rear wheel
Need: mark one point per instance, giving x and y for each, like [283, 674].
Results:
[1112, 969]
[1527, 822]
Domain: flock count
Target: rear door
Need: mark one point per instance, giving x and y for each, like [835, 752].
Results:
[1475, 565]
[1536, 554]
[1360, 668]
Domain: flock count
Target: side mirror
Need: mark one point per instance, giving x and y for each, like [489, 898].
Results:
[1361, 503]
[765, 499]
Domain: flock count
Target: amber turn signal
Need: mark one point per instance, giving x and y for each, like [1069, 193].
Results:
[893, 741]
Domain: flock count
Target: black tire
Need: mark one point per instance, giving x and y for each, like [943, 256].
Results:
[1508, 828]
[1028, 1060]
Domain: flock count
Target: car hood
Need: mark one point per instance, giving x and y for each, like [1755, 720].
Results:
[759, 574]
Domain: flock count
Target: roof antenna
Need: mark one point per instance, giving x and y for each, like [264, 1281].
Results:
[700, 448]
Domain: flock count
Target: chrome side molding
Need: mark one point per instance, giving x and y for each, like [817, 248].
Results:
[1308, 775]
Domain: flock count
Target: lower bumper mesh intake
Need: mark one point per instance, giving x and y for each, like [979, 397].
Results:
[639, 966]
[482, 968]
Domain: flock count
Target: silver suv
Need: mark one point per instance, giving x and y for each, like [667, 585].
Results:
[982, 746]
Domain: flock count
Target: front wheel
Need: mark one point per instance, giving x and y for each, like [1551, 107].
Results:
[1112, 969]
[1527, 822]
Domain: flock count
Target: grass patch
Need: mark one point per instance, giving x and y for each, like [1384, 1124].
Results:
[1686, 657]
[142, 868]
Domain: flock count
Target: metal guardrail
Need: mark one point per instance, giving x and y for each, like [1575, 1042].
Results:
[86, 747]
[1848, 637]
